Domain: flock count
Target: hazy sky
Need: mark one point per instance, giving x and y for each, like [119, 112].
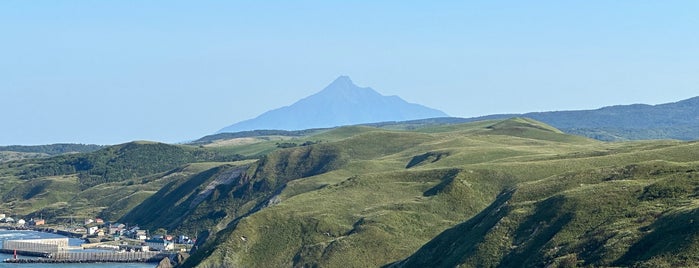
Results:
[108, 72]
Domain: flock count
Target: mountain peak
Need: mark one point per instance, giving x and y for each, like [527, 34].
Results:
[340, 103]
[342, 83]
[343, 80]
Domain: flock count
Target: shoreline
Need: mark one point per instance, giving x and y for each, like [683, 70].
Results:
[48, 230]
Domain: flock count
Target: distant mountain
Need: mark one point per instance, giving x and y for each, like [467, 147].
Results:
[344, 103]
[677, 120]
[340, 103]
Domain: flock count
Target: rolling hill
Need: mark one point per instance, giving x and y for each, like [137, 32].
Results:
[490, 193]
[503, 193]
[18, 152]
[99, 182]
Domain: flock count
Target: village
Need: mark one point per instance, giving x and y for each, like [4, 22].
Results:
[98, 234]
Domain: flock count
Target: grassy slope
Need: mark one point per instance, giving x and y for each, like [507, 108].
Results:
[598, 210]
[598, 217]
[106, 183]
[373, 211]
[366, 197]
[372, 186]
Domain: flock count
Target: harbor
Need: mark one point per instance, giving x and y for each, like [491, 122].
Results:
[32, 248]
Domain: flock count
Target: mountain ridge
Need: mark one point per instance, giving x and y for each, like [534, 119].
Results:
[343, 103]
[675, 120]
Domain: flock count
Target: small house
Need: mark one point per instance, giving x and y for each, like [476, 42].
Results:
[116, 229]
[112, 230]
[35, 222]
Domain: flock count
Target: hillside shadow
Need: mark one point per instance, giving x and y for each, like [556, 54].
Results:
[531, 236]
[447, 179]
[669, 235]
[428, 157]
[452, 246]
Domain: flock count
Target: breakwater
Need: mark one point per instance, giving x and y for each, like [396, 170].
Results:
[25, 253]
[58, 232]
[96, 257]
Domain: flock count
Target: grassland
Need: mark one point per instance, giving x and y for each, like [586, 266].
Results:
[493, 193]
[105, 183]
[499, 193]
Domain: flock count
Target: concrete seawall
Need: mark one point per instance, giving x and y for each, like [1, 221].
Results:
[94, 257]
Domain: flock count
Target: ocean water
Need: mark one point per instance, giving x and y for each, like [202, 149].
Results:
[11, 235]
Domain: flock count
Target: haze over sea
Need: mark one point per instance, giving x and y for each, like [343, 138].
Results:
[10, 235]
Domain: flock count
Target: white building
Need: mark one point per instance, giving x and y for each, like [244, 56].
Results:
[160, 244]
[140, 235]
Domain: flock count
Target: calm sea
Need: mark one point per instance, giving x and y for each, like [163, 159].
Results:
[10, 235]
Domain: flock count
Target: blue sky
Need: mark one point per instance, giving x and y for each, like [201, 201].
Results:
[108, 72]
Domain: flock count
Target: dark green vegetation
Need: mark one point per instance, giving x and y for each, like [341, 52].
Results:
[19, 152]
[503, 193]
[53, 149]
[118, 163]
[111, 180]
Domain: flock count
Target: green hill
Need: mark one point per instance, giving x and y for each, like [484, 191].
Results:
[53, 149]
[498, 193]
[20, 152]
[503, 193]
[638, 215]
[119, 176]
